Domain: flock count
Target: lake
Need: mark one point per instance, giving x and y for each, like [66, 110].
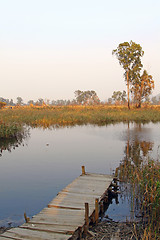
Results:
[35, 170]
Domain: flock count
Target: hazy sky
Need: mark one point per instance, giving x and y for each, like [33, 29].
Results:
[50, 48]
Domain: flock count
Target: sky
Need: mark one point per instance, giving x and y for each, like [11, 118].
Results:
[51, 48]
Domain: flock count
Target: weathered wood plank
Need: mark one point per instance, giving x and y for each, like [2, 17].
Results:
[68, 230]
[72, 221]
[54, 224]
[74, 196]
[5, 238]
[19, 233]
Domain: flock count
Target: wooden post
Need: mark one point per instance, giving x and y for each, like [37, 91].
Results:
[96, 210]
[86, 227]
[101, 207]
[87, 214]
[80, 233]
[83, 170]
[27, 219]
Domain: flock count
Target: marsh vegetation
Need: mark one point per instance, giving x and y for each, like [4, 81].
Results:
[13, 120]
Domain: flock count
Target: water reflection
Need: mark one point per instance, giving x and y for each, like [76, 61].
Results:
[32, 175]
[12, 143]
[137, 151]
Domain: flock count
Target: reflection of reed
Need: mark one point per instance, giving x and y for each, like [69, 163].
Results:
[12, 143]
[143, 175]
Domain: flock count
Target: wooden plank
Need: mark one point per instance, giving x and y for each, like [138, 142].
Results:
[19, 233]
[89, 180]
[77, 201]
[54, 224]
[85, 191]
[69, 195]
[50, 228]
[98, 187]
[93, 178]
[88, 184]
[62, 220]
[59, 220]
[13, 237]
[93, 188]
[99, 175]
[5, 238]
[67, 205]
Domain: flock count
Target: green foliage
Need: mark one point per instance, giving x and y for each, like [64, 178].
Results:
[86, 97]
[142, 87]
[19, 101]
[9, 130]
[119, 97]
[129, 56]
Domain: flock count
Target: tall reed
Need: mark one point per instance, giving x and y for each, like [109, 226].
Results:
[145, 182]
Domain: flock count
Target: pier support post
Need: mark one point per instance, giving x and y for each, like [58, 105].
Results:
[27, 219]
[101, 207]
[96, 210]
[86, 227]
[83, 170]
[80, 233]
[87, 214]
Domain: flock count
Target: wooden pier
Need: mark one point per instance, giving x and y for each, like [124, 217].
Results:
[70, 212]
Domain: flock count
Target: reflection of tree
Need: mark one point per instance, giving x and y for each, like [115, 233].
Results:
[135, 152]
[12, 143]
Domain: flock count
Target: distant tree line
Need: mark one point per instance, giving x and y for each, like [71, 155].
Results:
[81, 97]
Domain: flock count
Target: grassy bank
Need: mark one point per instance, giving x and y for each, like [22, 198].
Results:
[11, 120]
[145, 182]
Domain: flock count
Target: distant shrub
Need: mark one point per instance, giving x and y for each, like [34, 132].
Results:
[2, 104]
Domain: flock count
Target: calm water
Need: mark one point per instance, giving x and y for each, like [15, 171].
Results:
[36, 170]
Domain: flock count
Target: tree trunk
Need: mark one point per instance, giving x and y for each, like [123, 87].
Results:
[128, 89]
[140, 97]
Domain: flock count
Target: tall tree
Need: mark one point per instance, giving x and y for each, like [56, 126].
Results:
[119, 97]
[129, 55]
[154, 100]
[86, 97]
[40, 101]
[30, 102]
[19, 100]
[142, 88]
[11, 102]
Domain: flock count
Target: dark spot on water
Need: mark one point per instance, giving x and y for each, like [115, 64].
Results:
[121, 210]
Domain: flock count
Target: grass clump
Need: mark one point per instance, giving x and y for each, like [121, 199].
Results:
[9, 130]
